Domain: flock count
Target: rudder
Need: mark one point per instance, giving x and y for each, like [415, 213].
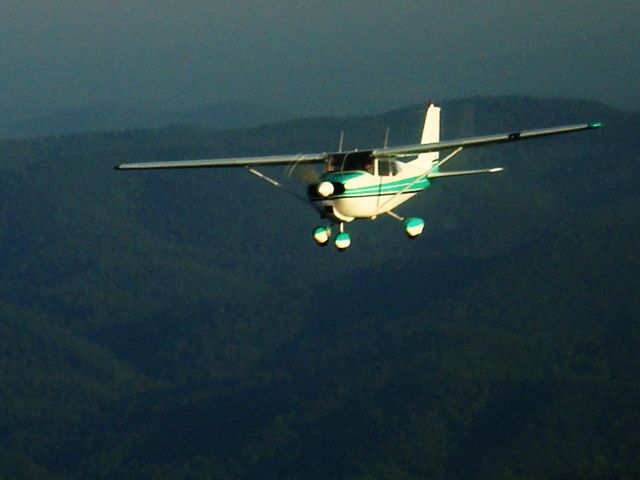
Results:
[430, 134]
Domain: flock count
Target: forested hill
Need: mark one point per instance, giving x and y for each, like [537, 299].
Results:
[182, 324]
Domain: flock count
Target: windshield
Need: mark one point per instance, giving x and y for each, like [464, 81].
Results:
[352, 161]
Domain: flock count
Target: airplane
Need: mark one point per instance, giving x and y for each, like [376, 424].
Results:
[364, 184]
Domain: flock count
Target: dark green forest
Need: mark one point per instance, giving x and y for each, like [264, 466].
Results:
[182, 324]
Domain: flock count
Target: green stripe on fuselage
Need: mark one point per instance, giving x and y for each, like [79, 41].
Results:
[389, 187]
[340, 176]
[404, 185]
[375, 194]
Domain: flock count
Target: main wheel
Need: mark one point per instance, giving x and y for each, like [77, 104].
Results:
[343, 240]
[413, 226]
[321, 235]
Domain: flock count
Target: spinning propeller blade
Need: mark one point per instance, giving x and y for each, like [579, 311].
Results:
[303, 173]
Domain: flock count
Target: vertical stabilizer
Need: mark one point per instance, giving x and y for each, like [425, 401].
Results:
[430, 134]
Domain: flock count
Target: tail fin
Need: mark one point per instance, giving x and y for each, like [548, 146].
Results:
[430, 134]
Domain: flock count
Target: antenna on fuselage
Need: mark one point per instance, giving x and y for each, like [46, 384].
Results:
[386, 137]
[341, 141]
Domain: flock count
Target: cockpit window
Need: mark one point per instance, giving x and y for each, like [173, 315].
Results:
[387, 167]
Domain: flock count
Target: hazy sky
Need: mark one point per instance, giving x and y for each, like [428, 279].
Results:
[318, 57]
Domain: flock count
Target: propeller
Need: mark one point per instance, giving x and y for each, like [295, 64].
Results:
[306, 173]
[303, 173]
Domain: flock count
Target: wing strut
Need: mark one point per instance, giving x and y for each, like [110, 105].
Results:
[276, 183]
[449, 157]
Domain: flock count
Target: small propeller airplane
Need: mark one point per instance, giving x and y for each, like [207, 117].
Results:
[363, 184]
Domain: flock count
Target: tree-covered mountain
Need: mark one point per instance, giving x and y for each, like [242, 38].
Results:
[184, 325]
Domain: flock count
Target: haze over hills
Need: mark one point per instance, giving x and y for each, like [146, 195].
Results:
[184, 325]
[105, 117]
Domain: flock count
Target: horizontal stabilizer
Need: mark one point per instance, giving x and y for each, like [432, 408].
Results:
[464, 172]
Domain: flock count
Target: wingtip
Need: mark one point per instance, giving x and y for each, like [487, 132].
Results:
[596, 125]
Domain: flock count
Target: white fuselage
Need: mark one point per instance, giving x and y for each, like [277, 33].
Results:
[360, 194]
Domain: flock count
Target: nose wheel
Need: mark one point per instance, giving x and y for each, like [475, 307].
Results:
[343, 239]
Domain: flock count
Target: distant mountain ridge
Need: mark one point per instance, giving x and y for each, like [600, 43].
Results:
[224, 116]
[227, 115]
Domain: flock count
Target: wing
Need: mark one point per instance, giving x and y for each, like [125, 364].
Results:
[457, 173]
[380, 152]
[478, 141]
[227, 162]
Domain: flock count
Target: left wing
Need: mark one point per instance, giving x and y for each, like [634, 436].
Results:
[483, 140]
[227, 162]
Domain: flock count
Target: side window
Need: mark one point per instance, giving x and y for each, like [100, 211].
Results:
[387, 168]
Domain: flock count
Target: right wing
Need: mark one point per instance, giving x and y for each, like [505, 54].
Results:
[457, 173]
[415, 149]
[227, 162]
